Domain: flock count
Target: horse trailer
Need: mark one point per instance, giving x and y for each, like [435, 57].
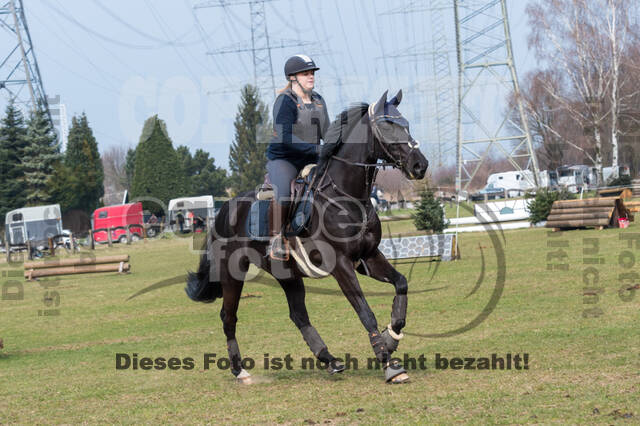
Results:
[33, 224]
[195, 210]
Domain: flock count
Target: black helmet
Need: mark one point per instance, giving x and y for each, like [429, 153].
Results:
[299, 63]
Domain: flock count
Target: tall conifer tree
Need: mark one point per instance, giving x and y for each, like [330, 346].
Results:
[40, 157]
[78, 181]
[247, 157]
[13, 141]
[158, 173]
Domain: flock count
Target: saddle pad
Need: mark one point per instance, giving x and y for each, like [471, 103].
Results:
[258, 220]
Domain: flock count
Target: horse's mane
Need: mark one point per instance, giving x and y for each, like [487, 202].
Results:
[339, 129]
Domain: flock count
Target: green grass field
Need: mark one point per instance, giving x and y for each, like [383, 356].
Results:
[62, 369]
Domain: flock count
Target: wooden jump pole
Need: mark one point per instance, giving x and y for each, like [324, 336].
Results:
[77, 262]
[81, 269]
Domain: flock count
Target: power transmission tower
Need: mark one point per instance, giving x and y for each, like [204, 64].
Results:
[19, 72]
[445, 102]
[442, 84]
[260, 46]
[485, 61]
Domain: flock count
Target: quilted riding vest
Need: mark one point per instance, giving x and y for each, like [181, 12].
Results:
[312, 118]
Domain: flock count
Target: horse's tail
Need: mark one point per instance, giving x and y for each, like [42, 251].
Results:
[200, 287]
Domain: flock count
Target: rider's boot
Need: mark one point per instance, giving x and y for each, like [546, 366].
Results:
[279, 246]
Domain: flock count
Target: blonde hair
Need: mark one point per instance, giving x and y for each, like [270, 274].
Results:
[288, 86]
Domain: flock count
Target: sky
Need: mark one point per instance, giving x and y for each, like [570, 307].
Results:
[121, 62]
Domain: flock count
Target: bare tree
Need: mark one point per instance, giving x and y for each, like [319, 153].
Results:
[621, 35]
[115, 176]
[586, 42]
[394, 183]
[549, 123]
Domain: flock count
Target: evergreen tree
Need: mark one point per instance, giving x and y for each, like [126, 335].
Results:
[130, 167]
[158, 173]
[203, 177]
[40, 157]
[66, 187]
[13, 141]
[540, 207]
[185, 160]
[429, 214]
[247, 157]
[80, 178]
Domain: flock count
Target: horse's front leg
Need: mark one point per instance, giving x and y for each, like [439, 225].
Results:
[346, 277]
[378, 267]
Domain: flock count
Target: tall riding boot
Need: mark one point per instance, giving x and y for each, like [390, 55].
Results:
[279, 247]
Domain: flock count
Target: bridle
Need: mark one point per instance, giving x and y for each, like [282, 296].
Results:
[377, 137]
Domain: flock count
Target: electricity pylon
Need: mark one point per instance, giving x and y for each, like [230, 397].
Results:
[485, 59]
[260, 45]
[20, 77]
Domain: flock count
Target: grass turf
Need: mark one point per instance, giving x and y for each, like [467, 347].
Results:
[61, 369]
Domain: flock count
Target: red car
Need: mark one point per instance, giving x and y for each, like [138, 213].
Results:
[120, 217]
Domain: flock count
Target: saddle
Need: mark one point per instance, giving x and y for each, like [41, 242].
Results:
[299, 212]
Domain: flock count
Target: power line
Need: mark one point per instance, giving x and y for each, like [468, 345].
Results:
[374, 35]
[77, 51]
[98, 34]
[206, 43]
[175, 42]
[260, 45]
[160, 22]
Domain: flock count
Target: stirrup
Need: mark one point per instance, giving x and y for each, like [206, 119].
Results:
[279, 248]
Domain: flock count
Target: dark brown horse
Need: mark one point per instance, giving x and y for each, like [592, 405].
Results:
[342, 237]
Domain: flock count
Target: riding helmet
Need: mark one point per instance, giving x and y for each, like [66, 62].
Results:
[299, 63]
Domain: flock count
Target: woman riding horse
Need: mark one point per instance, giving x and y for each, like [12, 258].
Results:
[300, 120]
[342, 237]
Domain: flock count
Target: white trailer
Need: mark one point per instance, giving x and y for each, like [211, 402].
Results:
[33, 224]
[191, 209]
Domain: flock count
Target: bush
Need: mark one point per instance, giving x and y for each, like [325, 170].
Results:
[429, 213]
[540, 206]
[624, 180]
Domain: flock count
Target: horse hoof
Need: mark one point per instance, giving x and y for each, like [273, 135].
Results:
[399, 379]
[244, 378]
[394, 373]
[335, 367]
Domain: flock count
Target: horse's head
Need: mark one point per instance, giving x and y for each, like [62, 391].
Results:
[391, 130]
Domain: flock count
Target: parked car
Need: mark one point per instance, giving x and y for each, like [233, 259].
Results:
[67, 241]
[119, 217]
[492, 192]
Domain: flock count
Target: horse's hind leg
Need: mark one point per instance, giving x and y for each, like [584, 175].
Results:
[231, 291]
[379, 268]
[295, 292]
